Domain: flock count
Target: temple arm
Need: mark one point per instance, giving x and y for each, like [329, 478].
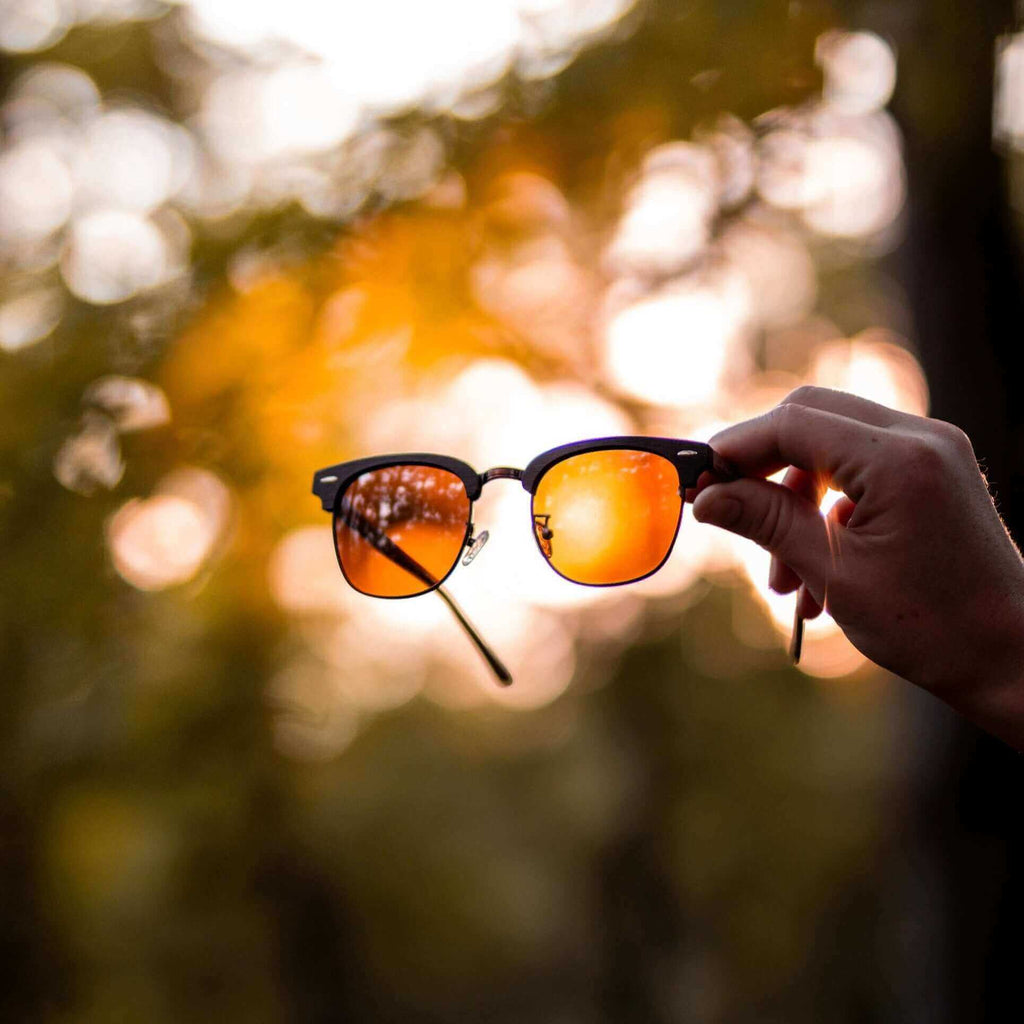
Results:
[390, 550]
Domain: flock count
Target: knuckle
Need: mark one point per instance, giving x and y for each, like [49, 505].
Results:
[805, 394]
[786, 416]
[954, 437]
[792, 423]
[772, 523]
[923, 458]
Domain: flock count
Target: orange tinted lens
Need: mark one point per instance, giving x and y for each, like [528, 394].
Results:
[399, 530]
[608, 516]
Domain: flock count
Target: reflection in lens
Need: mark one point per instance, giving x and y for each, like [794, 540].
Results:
[399, 530]
[608, 516]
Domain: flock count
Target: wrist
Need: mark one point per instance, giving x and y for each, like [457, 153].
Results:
[984, 680]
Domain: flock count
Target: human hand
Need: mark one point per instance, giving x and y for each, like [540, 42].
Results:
[913, 562]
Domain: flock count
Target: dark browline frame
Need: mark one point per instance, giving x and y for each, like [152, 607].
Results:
[690, 458]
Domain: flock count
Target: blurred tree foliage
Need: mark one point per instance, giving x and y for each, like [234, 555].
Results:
[702, 838]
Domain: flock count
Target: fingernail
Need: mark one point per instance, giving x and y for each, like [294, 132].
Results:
[718, 509]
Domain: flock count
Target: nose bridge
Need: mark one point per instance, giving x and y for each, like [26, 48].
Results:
[500, 473]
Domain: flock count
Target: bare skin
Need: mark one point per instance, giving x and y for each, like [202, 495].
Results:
[913, 563]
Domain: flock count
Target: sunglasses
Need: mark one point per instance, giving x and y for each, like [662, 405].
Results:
[605, 512]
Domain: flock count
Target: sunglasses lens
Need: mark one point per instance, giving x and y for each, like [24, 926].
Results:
[398, 531]
[608, 516]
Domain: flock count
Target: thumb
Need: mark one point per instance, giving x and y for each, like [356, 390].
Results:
[789, 525]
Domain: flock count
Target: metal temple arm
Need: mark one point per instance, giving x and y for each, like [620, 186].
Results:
[389, 549]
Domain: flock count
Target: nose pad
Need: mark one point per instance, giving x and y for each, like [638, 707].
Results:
[544, 533]
[475, 547]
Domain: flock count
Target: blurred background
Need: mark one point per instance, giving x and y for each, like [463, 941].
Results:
[241, 241]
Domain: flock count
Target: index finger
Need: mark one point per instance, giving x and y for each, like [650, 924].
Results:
[843, 403]
[839, 448]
